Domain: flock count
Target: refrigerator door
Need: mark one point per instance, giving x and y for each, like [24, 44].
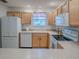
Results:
[5, 26]
[12, 26]
[9, 26]
[10, 42]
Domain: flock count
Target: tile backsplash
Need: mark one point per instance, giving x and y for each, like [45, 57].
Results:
[30, 27]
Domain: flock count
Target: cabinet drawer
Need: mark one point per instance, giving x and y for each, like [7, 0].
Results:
[40, 34]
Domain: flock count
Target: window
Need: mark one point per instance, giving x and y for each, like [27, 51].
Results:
[62, 19]
[59, 21]
[39, 19]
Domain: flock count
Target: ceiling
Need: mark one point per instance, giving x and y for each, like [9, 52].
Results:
[34, 4]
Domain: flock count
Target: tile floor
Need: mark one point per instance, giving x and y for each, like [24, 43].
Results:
[70, 51]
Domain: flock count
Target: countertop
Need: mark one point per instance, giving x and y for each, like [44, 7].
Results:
[70, 51]
[40, 31]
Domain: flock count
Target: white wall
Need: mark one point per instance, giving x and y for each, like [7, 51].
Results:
[3, 10]
[28, 9]
[30, 27]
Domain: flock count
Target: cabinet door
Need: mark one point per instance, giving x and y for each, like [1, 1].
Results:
[40, 40]
[9, 13]
[26, 18]
[51, 18]
[35, 42]
[74, 12]
[29, 17]
[17, 14]
[59, 10]
[43, 42]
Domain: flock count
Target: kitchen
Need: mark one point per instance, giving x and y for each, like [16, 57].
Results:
[37, 29]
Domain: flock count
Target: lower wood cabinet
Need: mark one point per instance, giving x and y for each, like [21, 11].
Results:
[40, 40]
[35, 42]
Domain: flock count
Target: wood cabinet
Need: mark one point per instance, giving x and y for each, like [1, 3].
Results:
[51, 19]
[13, 13]
[25, 16]
[9, 14]
[40, 40]
[59, 10]
[35, 42]
[74, 12]
[43, 42]
[65, 7]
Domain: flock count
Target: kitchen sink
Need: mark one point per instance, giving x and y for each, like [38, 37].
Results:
[61, 38]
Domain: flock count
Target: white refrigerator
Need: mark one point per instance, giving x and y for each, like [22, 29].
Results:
[10, 28]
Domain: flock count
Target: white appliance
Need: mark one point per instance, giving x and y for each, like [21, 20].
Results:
[10, 28]
[26, 39]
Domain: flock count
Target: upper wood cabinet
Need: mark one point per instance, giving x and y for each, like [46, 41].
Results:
[10, 13]
[59, 10]
[74, 12]
[13, 13]
[65, 7]
[55, 12]
[52, 15]
[25, 17]
[50, 18]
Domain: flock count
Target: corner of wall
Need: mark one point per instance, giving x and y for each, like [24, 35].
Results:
[3, 10]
